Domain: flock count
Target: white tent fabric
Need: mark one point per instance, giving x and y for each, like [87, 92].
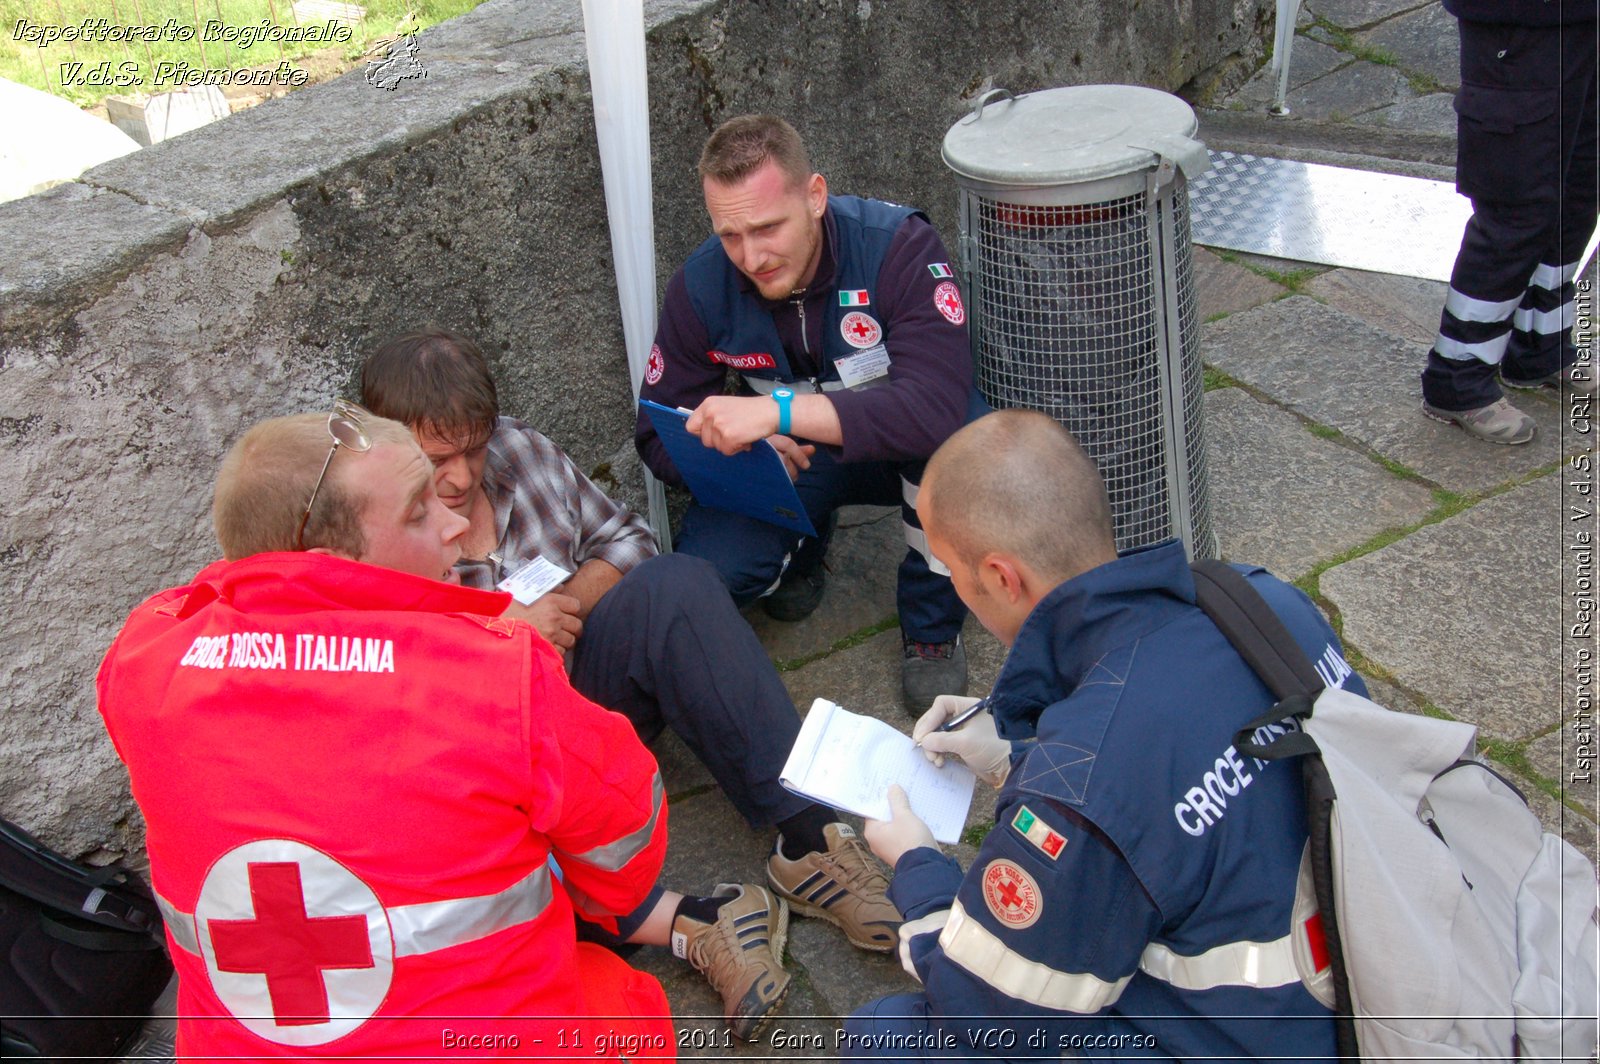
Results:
[614, 32]
[45, 140]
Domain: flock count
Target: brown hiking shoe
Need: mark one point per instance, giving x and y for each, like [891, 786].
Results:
[741, 954]
[844, 886]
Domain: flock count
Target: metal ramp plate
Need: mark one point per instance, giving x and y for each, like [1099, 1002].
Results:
[1307, 212]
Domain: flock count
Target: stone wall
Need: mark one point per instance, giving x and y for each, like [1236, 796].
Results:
[152, 310]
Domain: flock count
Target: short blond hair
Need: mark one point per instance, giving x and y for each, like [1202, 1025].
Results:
[738, 147]
[268, 475]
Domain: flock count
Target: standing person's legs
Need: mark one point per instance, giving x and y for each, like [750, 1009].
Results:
[1541, 341]
[1509, 163]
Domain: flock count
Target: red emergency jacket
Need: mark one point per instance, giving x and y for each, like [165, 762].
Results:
[372, 808]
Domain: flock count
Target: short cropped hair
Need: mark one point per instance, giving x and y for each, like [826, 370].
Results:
[1017, 481]
[434, 381]
[268, 476]
[739, 147]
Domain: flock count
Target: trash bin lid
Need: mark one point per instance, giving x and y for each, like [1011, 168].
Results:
[1065, 136]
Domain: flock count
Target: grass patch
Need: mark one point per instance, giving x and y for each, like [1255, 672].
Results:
[854, 639]
[975, 834]
[188, 35]
[1214, 378]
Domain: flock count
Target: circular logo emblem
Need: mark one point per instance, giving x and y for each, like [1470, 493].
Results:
[947, 297]
[298, 949]
[1011, 894]
[655, 366]
[860, 330]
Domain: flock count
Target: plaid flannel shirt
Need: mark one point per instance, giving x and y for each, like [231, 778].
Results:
[545, 507]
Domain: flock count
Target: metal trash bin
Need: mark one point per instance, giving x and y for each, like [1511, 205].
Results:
[1080, 282]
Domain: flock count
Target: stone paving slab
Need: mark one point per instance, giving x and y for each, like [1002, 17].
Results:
[1360, 14]
[1423, 41]
[1287, 500]
[1223, 287]
[1351, 90]
[862, 562]
[1335, 369]
[1467, 612]
[1408, 307]
[1309, 60]
[1434, 113]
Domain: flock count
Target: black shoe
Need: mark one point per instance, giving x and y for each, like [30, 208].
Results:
[797, 596]
[929, 670]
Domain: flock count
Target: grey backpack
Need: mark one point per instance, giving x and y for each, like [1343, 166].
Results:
[1454, 925]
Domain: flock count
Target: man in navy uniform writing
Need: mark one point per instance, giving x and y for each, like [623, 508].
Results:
[844, 322]
[1140, 893]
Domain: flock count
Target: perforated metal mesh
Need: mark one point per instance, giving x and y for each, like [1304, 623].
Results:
[1072, 310]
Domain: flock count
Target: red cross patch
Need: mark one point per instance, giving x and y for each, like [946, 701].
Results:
[1011, 894]
[947, 298]
[860, 330]
[297, 947]
[655, 366]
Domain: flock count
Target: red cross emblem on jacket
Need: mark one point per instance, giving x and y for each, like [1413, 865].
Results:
[297, 946]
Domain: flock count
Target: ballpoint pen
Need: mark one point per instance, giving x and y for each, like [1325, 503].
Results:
[965, 715]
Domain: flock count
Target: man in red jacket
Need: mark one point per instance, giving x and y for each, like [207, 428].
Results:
[373, 804]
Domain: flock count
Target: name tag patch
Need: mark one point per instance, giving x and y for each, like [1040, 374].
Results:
[863, 366]
[1036, 831]
[533, 580]
[757, 360]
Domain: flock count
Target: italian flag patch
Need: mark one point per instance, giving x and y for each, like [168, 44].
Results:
[1039, 833]
[857, 298]
[940, 269]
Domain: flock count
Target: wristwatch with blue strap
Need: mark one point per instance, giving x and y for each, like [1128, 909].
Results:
[783, 396]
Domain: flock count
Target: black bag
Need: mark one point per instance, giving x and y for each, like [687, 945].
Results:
[84, 953]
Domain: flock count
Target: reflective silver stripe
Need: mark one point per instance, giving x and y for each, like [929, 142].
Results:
[1553, 277]
[1465, 308]
[917, 540]
[436, 925]
[1254, 964]
[180, 925]
[766, 386]
[1544, 322]
[931, 922]
[428, 926]
[973, 947]
[613, 855]
[1490, 351]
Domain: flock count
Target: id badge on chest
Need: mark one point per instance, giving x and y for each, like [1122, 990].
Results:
[864, 367]
[534, 579]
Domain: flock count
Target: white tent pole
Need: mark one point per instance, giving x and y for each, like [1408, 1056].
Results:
[614, 32]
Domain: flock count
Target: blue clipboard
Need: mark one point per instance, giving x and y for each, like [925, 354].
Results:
[754, 483]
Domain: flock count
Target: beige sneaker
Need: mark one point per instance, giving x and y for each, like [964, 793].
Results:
[1499, 422]
[741, 954]
[844, 886]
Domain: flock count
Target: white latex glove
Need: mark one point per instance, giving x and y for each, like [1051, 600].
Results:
[903, 832]
[976, 742]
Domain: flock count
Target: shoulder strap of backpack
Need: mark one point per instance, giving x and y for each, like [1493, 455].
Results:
[1265, 643]
[113, 896]
[1267, 646]
[1255, 631]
